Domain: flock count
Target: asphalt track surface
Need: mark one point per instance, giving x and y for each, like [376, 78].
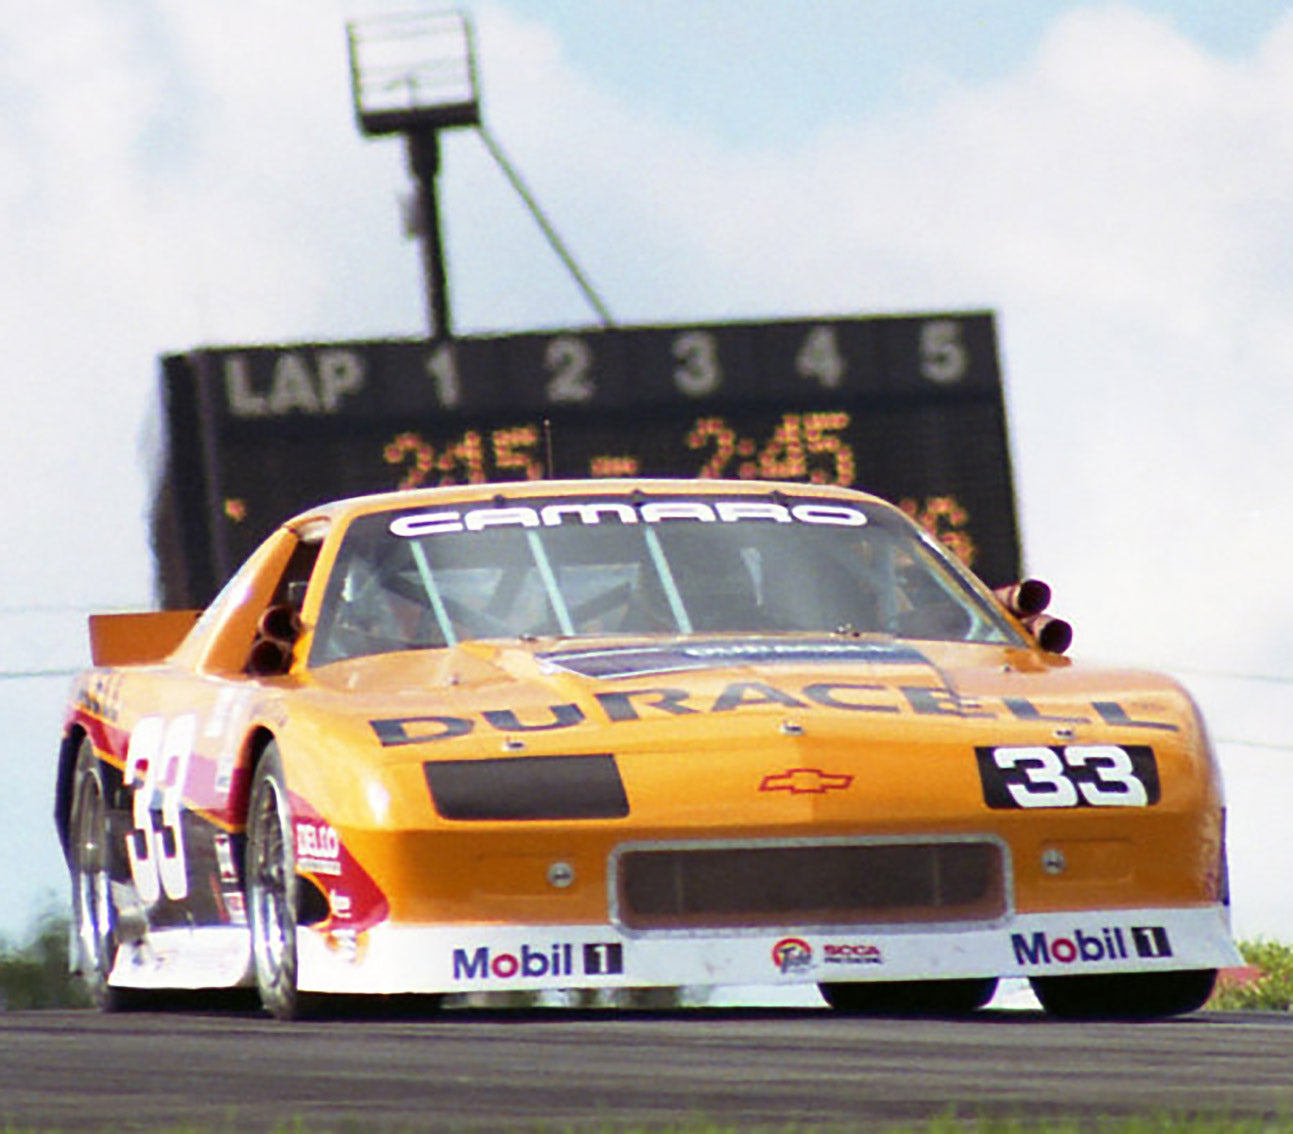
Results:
[605, 1070]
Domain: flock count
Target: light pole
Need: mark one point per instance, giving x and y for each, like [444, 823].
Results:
[416, 75]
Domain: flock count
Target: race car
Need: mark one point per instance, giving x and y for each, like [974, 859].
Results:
[621, 734]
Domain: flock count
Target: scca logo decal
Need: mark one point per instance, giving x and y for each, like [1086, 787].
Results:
[852, 954]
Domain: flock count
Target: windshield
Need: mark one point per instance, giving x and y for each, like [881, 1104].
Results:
[570, 566]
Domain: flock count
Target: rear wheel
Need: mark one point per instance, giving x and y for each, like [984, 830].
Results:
[911, 997]
[1125, 996]
[272, 891]
[94, 914]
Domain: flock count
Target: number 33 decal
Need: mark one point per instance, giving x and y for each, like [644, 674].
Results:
[1076, 775]
[157, 763]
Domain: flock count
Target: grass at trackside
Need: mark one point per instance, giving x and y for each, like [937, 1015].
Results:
[1271, 992]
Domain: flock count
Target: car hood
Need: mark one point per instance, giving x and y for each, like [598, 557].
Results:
[700, 733]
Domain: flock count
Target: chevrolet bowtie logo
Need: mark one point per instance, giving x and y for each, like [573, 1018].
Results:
[805, 781]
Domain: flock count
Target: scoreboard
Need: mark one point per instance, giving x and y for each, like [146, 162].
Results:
[908, 407]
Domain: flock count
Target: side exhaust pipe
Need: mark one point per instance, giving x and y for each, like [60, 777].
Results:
[1054, 635]
[276, 633]
[1031, 596]
[1026, 600]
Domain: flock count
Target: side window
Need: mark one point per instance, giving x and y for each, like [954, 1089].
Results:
[296, 576]
[377, 599]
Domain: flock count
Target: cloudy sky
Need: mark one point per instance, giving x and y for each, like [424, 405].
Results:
[1113, 180]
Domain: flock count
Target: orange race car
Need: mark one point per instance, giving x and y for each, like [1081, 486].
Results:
[607, 734]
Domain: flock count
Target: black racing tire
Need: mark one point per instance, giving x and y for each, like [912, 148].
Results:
[1125, 996]
[272, 887]
[910, 997]
[94, 912]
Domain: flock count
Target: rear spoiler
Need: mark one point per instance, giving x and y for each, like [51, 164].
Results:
[132, 639]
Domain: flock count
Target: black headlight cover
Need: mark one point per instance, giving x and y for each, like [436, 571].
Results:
[528, 788]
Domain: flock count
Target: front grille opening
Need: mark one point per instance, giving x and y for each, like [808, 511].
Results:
[822, 884]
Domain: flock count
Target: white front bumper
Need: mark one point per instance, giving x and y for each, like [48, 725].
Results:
[494, 958]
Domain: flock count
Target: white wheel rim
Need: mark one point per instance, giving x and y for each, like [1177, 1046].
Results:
[271, 884]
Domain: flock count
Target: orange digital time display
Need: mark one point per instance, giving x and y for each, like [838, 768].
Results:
[908, 407]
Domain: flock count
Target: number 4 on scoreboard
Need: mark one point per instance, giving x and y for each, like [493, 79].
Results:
[820, 359]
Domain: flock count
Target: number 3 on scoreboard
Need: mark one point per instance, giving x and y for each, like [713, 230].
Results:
[699, 372]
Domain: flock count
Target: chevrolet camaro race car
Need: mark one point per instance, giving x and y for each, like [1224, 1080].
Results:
[612, 734]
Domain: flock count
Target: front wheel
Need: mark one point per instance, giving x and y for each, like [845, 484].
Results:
[272, 890]
[911, 997]
[1125, 996]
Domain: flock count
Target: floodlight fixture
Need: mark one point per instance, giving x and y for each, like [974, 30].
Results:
[415, 75]
[411, 73]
